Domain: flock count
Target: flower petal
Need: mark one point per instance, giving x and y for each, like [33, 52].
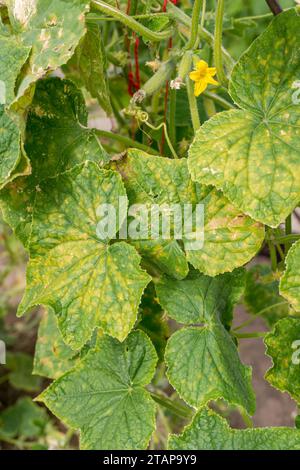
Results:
[212, 71]
[202, 66]
[195, 76]
[200, 86]
[212, 81]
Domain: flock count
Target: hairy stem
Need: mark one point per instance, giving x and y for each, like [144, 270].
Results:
[179, 410]
[219, 100]
[127, 141]
[195, 24]
[130, 22]
[218, 44]
[179, 16]
[172, 113]
[253, 318]
[255, 334]
[193, 105]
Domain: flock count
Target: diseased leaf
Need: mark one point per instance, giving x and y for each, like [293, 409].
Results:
[13, 56]
[203, 362]
[283, 346]
[209, 431]
[201, 298]
[262, 294]
[52, 356]
[252, 155]
[86, 281]
[10, 153]
[51, 28]
[230, 238]
[57, 138]
[24, 419]
[104, 395]
[290, 281]
[88, 66]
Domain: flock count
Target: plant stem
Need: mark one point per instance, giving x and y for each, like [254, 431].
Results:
[218, 44]
[288, 231]
[127, 141]
[272, 250]
[218, 99]
[179, 410]
[285, 238]
[255, 334]
[195, 24]
[172, 113]
[246, 418]
[250, 320]
[179, 16]
[274, 7]
[193, 105]
[131, 22]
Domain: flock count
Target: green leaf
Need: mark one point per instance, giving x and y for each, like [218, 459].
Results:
[283, 346]
[230, 238]
[203, 362]
[290, 281]
[52, 356]
[9, 147]
[51, 28]
[252, 155]
[209, 431]
[86, 281]
[88, 66]
[57, 138]
[24, 419]
[13, 56]
[262, 294]
[104, 395]
[20, 376]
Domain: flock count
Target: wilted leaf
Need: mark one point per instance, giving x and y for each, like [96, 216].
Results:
[88, 66]
[57, 138]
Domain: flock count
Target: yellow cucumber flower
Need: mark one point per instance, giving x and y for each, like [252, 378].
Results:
[202, 76]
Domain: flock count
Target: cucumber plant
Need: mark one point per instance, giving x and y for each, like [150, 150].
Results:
[138, 333]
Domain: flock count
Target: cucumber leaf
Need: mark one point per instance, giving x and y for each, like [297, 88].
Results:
[252, 154]
[203, 362]
[209, 431]
[104, 394]
[290, 281]
[283, 346]
[86, 280]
